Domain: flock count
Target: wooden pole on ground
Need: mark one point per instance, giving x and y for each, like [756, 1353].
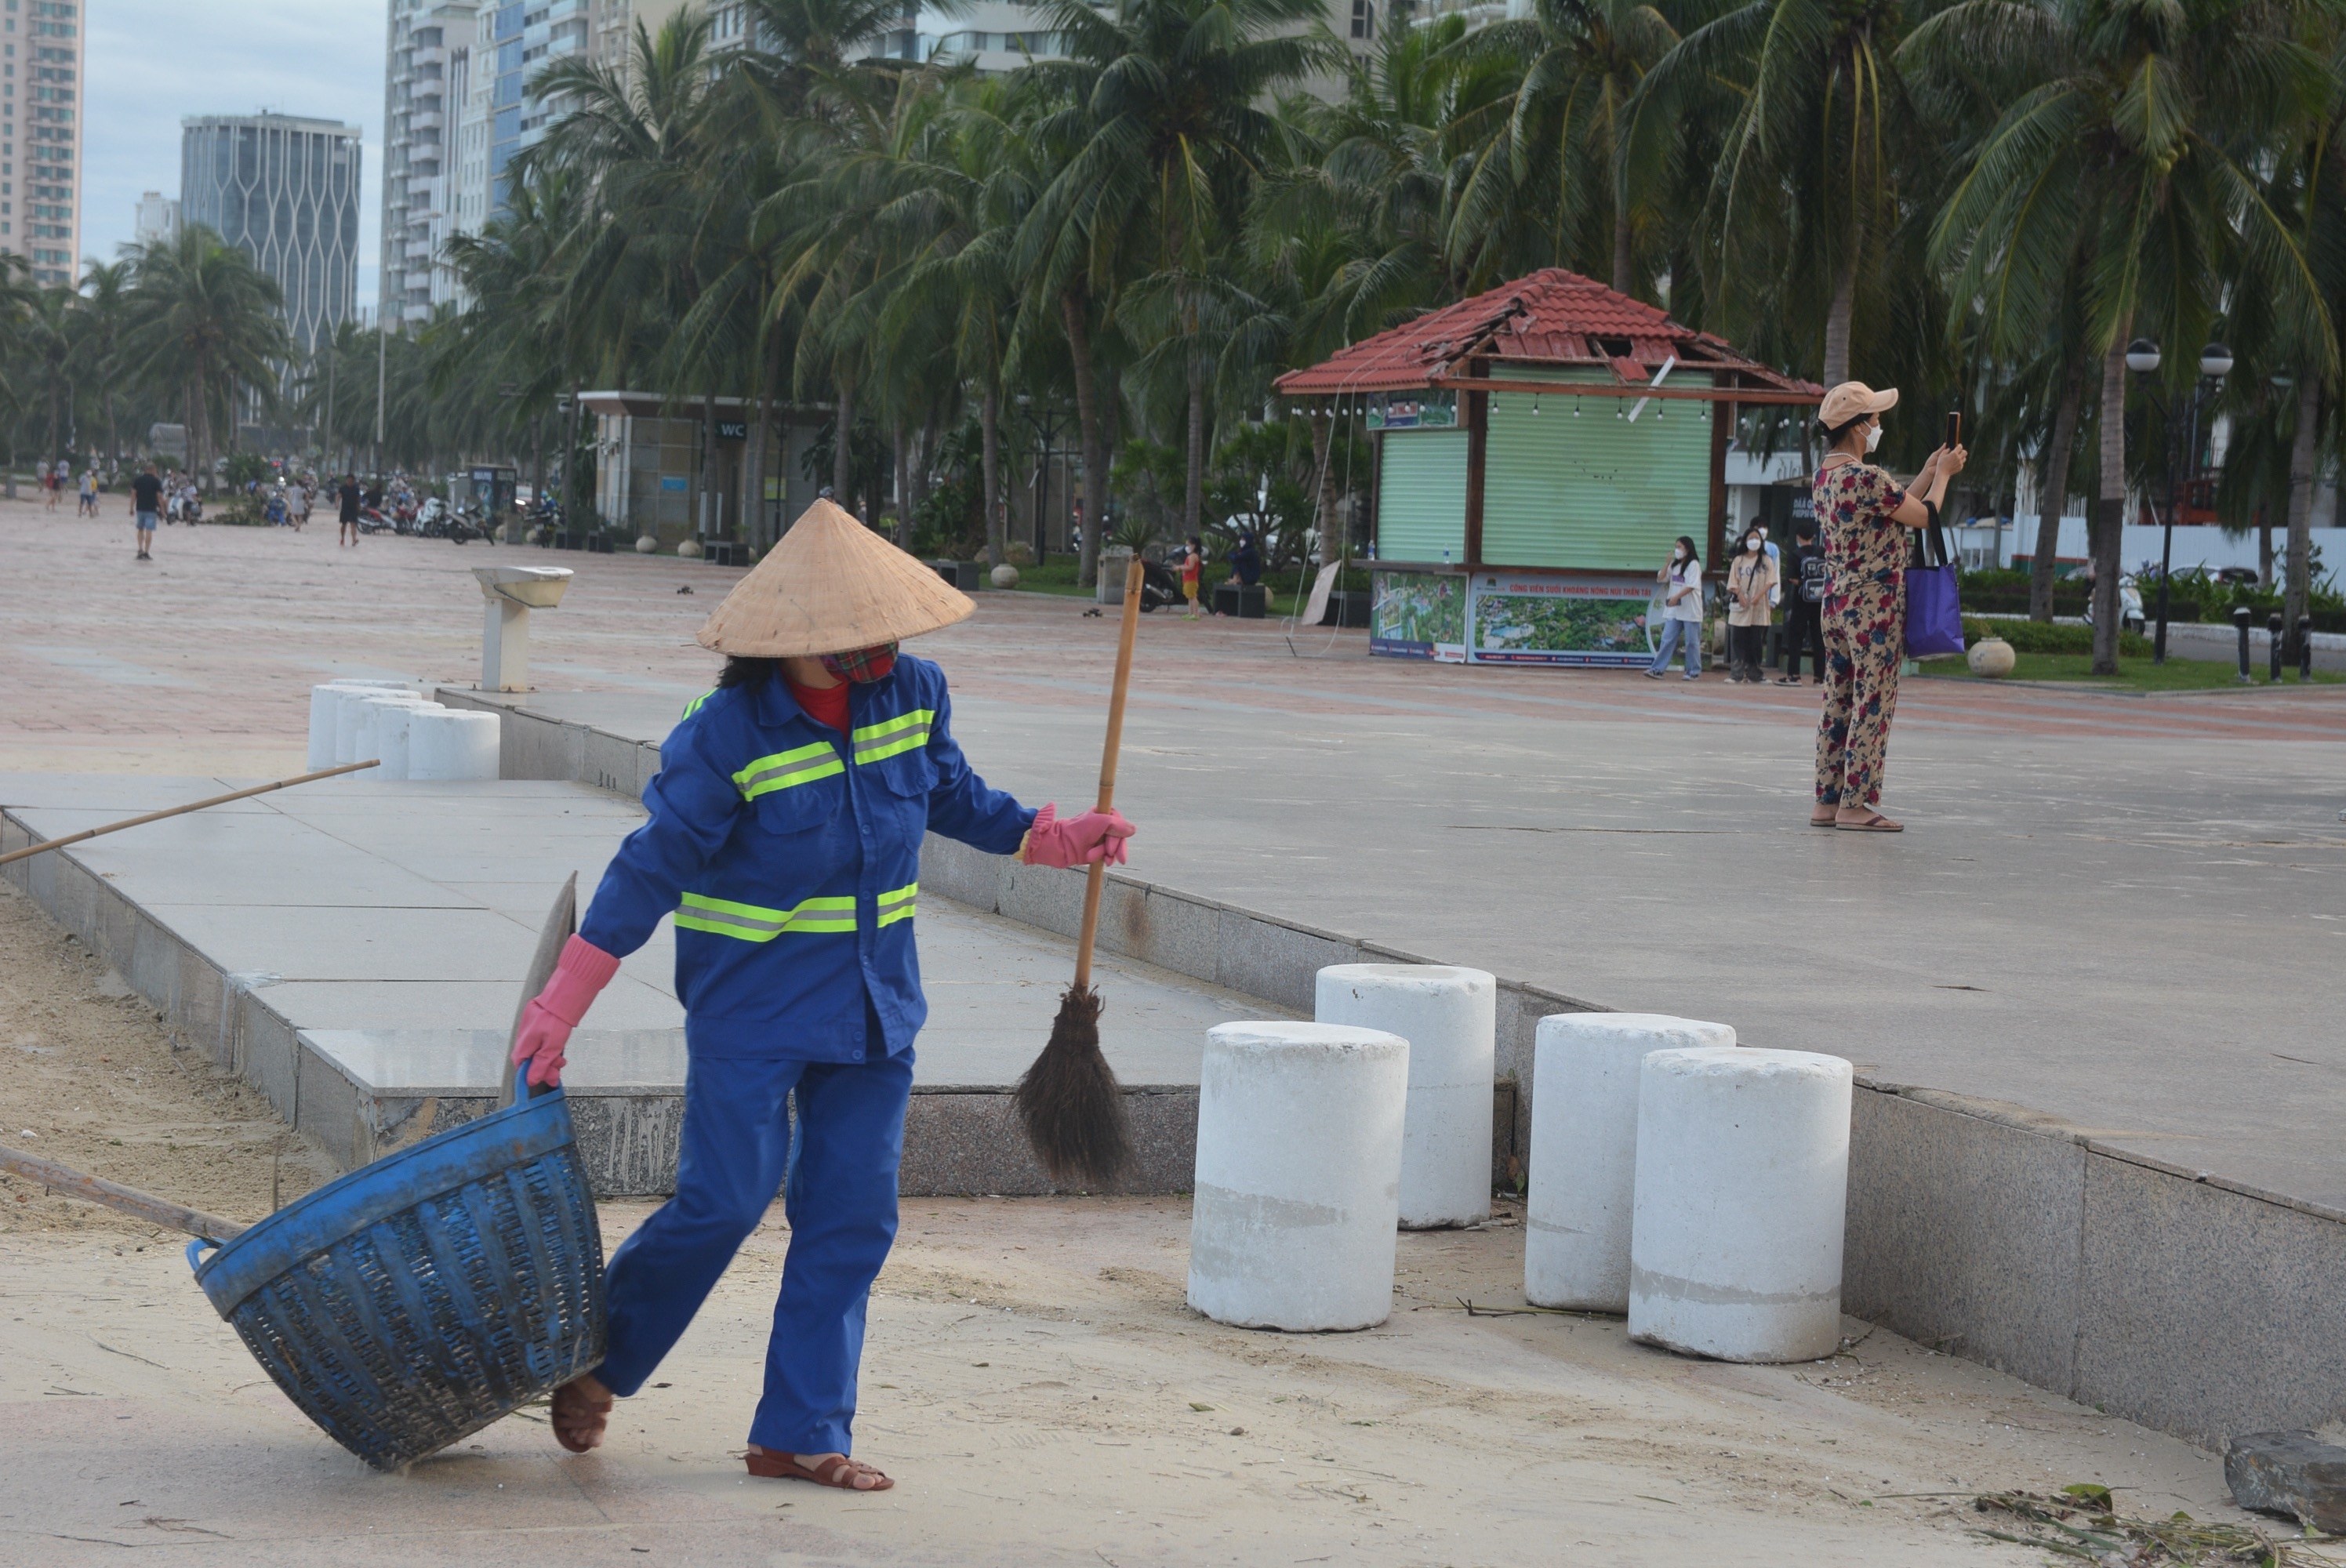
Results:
[47, 844]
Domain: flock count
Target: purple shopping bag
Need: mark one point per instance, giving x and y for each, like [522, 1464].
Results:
[1934, 611]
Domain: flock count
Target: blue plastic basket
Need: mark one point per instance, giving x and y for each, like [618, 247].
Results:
[421, 1298]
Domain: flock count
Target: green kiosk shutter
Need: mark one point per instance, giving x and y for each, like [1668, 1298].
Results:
[1422, 497]
[1578, 485]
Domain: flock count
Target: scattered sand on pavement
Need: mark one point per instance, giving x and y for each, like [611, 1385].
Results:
[1033, 1379]
[90, 1077]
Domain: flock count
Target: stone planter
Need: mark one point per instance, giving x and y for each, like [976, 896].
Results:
[1991, 657]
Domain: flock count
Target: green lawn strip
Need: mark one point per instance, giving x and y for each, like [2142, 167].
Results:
[2134, 674]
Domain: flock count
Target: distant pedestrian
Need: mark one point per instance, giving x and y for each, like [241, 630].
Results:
[146, 501]
[350, 500]
[297, 504]
[1751, 590]
[52, 483]
[1246, 560]
[1193, 569]
[88, 506]
[1804, 602]
[1865, 515]
[1681, 583]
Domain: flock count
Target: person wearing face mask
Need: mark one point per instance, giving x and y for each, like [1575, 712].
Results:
[1681, 581]
[785, 838]
[1751, 593]
[1866, 516]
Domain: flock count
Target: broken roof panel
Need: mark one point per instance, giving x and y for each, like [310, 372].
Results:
[1552, 318]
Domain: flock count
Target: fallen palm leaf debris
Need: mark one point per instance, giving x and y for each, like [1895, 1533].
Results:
[2081, 1523]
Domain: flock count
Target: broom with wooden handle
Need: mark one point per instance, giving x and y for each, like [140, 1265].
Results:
[1070, 1099]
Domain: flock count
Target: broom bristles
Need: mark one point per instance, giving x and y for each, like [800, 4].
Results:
[1071, 1103]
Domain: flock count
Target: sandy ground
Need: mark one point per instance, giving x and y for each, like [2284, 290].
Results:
[1033, 1379]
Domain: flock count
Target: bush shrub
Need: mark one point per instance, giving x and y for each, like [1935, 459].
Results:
[2033, 636]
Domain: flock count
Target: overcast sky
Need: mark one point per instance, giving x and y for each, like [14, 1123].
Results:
[152, 62]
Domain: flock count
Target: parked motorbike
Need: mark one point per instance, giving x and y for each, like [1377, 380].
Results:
[372, 521]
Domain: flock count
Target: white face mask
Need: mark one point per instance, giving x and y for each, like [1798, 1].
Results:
[1751, 543]
[1677, 555]
[1873, 437]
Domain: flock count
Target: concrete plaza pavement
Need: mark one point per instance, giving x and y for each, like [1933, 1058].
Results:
[2128, 912]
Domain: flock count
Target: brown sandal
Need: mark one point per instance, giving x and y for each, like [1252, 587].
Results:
[580, 1415]
[1823, 817]
[833, 1471]
[1875, 822]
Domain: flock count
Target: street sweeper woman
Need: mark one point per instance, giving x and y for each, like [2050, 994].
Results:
[785, 841]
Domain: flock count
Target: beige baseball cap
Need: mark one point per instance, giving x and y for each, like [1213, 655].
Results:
[831, 585]
[1853, 400]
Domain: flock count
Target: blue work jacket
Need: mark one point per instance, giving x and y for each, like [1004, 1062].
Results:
[790, 857]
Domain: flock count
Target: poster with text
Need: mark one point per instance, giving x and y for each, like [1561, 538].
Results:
[1527, 617]
[1419, 615]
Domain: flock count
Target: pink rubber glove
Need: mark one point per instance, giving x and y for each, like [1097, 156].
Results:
[1078, 840]
[579, 974]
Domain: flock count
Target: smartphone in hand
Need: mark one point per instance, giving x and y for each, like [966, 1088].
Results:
[1955, 429]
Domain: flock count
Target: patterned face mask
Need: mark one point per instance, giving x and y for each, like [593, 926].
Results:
[863, 665]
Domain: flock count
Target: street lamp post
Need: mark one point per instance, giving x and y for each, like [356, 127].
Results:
[2182, 420]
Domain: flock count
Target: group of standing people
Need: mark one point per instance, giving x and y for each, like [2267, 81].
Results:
[1844, 592]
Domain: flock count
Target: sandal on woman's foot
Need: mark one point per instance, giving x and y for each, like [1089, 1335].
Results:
[1871, 823]
[582, 1407]
[832, 1469]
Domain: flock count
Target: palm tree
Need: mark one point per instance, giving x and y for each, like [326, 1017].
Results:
[1162, 132]
[204, 320]
[1804, 189]
[1552, 162]
[2113, 185]
[105, 302]
[50, 332]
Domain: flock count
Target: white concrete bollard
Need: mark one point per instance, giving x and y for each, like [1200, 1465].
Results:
[1298, 1190]
[1450, 1018]
[1742, 1185]
[397, 731]
[452, 744]
[378, 719]
[1584, 1150]
[325, 707]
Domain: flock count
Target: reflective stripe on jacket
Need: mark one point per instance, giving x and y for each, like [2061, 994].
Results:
[790, 859]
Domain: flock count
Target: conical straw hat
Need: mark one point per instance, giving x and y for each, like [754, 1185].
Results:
[831, 585]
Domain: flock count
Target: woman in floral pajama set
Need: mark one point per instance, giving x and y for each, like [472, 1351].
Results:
[1865, 516]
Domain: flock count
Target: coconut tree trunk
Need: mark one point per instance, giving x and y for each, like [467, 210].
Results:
[1193, 488]
[1623, 276]
[2298, 597]
[1836, 319]
[2264, 549]
[1331, 525]
[842, 456]
[2109, 513]
[989, 429]
[904, 456]
[2053, 495]
[1087, 417]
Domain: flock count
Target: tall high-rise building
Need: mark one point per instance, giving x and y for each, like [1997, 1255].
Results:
[524, 37]
[40, 136]
[285, 190]
[158, 219]
[427, 76]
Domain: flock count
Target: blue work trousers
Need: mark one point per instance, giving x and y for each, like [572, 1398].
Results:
[842, 1208]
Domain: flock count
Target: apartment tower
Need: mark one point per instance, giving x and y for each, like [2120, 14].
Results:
[40, 136]
[285, 190]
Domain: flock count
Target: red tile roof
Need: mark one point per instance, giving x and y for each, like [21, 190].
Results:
[1551, 317]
